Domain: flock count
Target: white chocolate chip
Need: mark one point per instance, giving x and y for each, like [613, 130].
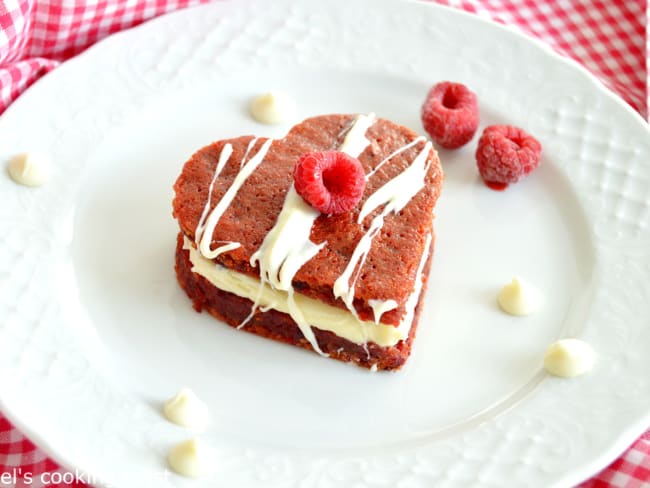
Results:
[272, 108]
[519, 297]
[191, 458]
[30, 169]
[569, 358]
[187, 410]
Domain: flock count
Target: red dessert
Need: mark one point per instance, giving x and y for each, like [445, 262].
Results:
[240, 215]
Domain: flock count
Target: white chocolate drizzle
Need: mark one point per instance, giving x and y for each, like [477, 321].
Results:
[287, 247]
[394, 196]
[396, 193]
[284, 250]
[248, 150]
[380, 307]
[355, 141]
[246, 170]
[224, 156]
[414, 142]
[226, 152]
[412, 301]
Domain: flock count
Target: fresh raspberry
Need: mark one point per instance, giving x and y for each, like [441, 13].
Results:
[330, 181]
[505, 154]
[450, 114]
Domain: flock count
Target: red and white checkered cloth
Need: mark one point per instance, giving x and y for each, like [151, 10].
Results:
[608, 37]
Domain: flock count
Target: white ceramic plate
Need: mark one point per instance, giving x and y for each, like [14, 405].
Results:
[96, 334]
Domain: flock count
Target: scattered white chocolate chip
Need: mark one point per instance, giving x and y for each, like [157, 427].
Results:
[191, 458]
[187, 410]
[569, 358]
[272, 108]
[519, 297]
[30, 169]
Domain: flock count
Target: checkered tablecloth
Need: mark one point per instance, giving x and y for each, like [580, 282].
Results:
[609, 37]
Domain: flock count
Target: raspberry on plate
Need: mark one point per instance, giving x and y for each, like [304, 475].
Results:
[505, 154]
[330, 181]
[450, 114]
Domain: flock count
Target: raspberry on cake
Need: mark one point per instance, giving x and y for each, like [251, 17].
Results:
[330, 181]
[347, 284]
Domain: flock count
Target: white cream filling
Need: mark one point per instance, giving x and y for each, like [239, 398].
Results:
[318, 314]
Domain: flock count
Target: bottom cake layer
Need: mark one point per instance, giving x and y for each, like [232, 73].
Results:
[272, 324]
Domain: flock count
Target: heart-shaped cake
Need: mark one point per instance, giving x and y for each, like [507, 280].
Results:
[255, 254]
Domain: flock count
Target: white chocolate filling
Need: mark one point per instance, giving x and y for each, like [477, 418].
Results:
[318, 314]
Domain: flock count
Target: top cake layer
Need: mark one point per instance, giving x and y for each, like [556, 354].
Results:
[395, 251]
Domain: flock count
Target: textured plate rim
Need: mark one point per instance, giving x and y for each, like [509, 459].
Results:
[581, 472]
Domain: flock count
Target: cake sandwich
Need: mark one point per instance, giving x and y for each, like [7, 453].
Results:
[257, 254]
